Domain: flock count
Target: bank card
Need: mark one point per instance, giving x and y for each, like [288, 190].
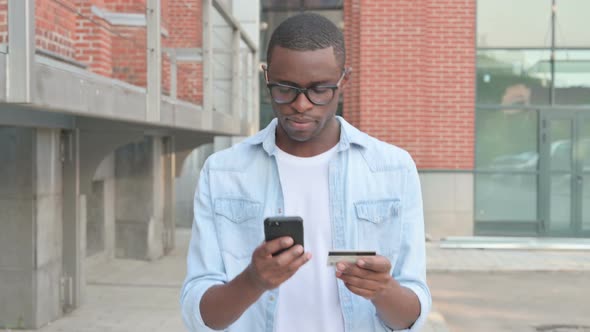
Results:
[349, 256]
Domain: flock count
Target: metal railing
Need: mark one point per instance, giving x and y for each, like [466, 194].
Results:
[229, 58]
[135, 46]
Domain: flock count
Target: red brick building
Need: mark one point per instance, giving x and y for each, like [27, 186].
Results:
[490, 97]
[413, 86]
[101, 104]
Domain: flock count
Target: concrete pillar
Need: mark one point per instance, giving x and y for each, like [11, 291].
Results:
[30, 227]
[139, 188]
[100, 232]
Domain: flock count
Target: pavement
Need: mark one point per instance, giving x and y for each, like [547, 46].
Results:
[130, 295]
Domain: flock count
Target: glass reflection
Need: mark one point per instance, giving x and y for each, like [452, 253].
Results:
[505, 197]
[572, 24]
[510, 77]
[506, 140]
[572, 77]
[509, 23]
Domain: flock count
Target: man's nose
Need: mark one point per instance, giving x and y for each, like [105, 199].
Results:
[301, 104]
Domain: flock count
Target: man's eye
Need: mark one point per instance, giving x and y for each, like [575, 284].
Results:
[284, 90]
[320, 90]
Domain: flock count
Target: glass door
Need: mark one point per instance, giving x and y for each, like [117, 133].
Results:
[583, 156]
[564, 198]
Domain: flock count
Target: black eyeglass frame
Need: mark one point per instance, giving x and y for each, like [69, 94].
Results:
[305, 91]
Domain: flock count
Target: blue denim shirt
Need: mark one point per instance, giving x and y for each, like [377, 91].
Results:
[375, 204]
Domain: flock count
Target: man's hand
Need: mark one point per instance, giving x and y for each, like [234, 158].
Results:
[267, 271]
[369, 277]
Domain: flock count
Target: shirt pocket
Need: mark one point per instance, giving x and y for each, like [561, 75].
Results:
[239, 226]
[379, 227]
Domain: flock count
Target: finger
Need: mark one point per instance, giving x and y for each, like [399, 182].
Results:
[374, 263]
[299, 262]
[360, 292]
[277, 244]
[369, 285]
[360, 272]
[288, 256]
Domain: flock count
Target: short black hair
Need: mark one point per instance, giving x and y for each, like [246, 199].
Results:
[308, 32]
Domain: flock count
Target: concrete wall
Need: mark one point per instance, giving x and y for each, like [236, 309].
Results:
[448, 203]
[30, 226]
[139, 205]
[186, 182]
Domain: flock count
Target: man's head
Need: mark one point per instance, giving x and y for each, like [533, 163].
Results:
[305, 75]
[308, 32]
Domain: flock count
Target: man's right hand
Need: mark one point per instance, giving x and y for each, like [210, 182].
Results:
[267, 271]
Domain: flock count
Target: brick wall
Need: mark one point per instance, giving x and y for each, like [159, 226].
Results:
[190, 84]
[71, 29]
[186, 32]
[187, 27]
[413, 76]
[55, 26]
[3, 21]
[94, 39]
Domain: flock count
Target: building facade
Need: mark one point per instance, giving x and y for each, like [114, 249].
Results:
[492, 99]
[101, 102]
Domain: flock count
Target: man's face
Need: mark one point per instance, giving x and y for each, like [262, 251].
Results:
[301, 120]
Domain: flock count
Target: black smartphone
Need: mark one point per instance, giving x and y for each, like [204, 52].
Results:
[275, 227]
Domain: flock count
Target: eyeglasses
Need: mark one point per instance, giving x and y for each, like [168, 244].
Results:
[318, 95]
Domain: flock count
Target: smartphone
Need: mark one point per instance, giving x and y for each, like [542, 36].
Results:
[275, 227]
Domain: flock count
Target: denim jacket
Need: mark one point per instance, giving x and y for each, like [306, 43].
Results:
[375, 204]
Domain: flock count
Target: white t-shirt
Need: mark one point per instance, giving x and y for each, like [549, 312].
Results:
[309, 301]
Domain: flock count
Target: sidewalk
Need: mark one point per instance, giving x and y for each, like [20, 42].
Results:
[130, 295]
[500, 260]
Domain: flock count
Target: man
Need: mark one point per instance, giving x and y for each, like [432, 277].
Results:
[352, 191]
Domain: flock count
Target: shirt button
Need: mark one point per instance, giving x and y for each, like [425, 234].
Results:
[271, 298]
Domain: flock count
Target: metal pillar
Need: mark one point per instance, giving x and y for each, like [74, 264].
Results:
[207, 55]
[73, 210]
[21, 50]
[236, 74]
[154, 60]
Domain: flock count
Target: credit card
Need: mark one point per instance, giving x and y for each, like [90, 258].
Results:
[350, 256]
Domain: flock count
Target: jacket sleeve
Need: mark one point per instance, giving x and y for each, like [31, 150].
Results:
[204, 262]
[410, 269]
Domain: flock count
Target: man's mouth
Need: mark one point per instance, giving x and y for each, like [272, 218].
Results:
[300, 124]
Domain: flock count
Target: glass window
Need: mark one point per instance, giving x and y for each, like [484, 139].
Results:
[505, 197]
[510, 77]
[506, 140]
[509, 23]
[572, 77]
[572, 23]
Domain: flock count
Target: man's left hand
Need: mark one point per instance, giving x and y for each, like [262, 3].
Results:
[369, 277]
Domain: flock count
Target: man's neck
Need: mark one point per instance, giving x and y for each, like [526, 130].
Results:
[313, 147]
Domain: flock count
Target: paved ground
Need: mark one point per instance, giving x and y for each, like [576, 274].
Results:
[513, 301]
[452, 260]
[473, 290]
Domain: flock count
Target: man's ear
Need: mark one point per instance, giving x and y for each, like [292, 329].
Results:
[264, 68]
[347, 73]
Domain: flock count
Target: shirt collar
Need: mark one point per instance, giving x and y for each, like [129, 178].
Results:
[348, 135]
